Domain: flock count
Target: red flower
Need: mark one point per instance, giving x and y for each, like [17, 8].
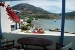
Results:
[12, 15]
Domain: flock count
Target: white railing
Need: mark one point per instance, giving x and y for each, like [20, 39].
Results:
[54, 36]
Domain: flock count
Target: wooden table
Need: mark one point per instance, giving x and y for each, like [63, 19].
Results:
[34, 41]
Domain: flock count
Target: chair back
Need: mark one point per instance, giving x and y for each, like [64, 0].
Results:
[67, 47]
[8, 44]
[3, 40]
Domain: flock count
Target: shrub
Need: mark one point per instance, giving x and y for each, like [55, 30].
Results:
[29, 20]
[24, 27]
[30, 24]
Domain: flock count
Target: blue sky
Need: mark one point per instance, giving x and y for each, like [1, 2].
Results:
[54, 6]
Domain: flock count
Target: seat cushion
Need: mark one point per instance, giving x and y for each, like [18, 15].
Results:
[67, 47]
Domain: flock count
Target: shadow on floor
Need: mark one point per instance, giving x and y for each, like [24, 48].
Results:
[36, 49]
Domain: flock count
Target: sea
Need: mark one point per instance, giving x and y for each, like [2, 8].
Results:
[53, 24]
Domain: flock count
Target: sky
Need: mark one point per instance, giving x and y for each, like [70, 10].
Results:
[54, 6]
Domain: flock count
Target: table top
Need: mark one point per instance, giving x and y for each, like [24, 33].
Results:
[34, 41]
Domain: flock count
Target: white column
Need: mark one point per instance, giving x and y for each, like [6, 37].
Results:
[5, 22]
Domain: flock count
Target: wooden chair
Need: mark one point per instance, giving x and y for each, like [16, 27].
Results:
[63, 47]
[6, 45]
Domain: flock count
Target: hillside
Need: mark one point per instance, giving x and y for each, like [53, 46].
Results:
[70, 15]
[27, 10]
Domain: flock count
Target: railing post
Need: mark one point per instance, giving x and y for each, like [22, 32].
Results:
[63, 22]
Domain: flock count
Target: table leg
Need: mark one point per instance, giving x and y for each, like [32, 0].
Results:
[26, 47]
[45, 48]
[23, 46]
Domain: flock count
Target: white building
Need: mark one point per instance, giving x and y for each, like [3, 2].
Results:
[6, 24]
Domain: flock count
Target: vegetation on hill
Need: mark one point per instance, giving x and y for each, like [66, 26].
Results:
[70, 15]
[27, 10]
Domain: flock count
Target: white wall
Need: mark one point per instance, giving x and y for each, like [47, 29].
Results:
[5, 22]
[55, 39]
[12, 36]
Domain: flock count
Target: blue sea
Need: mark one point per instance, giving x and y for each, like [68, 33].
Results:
[52, 24]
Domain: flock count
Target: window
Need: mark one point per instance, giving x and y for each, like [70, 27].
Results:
[12, 26]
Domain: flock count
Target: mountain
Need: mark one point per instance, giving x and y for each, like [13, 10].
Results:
[27, 10]
[70, 15]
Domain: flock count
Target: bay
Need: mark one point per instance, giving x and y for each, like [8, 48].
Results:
[52, 24]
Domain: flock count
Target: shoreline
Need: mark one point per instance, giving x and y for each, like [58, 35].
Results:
[18, 31]
[45, 32]
[53, 25]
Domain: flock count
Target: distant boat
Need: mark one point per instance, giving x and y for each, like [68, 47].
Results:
[54, 21]
[56, 29]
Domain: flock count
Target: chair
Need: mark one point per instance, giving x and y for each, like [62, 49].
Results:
[63, 47]
[6, 44]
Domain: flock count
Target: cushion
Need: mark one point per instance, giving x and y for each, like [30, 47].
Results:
[67, 46]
